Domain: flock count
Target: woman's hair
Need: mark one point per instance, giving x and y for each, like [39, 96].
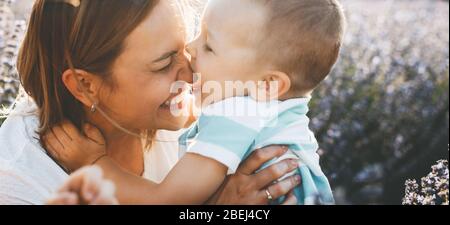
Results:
[69, 34]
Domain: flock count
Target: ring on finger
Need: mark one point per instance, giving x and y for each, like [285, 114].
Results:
[269, 196]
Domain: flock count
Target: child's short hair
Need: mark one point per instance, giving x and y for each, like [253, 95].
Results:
[303, 38]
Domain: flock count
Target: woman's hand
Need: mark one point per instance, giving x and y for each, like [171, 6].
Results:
[249, 188]
[85, 187]
[72, 149]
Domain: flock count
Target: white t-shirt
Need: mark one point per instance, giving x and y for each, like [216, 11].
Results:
[29, 176]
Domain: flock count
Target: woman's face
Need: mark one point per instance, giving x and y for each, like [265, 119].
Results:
[153, 59]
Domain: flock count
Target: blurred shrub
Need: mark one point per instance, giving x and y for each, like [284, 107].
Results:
[11, 33]
[383, 114]
[433, 189]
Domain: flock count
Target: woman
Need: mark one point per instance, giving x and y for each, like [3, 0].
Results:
[109, 63]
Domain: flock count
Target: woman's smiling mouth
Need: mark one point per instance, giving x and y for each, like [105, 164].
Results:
[176, 104]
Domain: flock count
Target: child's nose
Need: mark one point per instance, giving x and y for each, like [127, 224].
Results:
[191, 50]
[193, 55]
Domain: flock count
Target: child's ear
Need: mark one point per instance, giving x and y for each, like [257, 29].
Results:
[82, 85]
[274, 85]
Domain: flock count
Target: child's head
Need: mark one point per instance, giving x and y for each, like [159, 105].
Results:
[294, 42]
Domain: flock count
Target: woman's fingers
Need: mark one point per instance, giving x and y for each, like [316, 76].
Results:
[64, 198]
[290, 199]
[82, 180]
[106, 195]
[92, 184]
[89, 187]
[283, 187]
[257, 159]
[274, 172]
[86, 186]
[94, 134]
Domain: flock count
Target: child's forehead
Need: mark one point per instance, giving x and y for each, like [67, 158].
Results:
[236, 19]
[231, 9]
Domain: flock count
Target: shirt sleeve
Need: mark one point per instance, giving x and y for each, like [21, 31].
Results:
[16, 191]
[226, 136]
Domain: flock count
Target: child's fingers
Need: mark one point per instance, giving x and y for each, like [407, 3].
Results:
[52, 145]
[71, 130]
[106, 195]
[94, 134]
[64, 198]
[62, 136]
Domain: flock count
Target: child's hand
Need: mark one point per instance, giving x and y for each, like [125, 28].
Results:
[85, 187]
[72, 149]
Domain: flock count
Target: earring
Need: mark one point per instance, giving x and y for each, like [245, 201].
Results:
[93, 108]
[74, 3]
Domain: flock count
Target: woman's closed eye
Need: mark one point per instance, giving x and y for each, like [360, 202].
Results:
[165, 62]
[174, 61]
[167, 67]
[171, 61]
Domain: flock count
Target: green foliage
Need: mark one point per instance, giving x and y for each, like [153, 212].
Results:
[383, 114]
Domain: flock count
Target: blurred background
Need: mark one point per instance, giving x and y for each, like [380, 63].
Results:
[381, 118]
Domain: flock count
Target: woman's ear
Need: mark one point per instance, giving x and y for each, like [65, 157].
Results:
[82, 85]
[274, 85]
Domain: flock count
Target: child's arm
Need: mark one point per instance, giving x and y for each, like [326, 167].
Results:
[193, 180]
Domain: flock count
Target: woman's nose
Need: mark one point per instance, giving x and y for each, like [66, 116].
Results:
[186, 74]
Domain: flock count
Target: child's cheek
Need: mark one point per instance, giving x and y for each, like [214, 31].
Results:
[202, 65]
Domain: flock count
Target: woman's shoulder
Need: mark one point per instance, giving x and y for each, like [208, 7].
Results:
[16, 190]
[28, 174]
[17, 131]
